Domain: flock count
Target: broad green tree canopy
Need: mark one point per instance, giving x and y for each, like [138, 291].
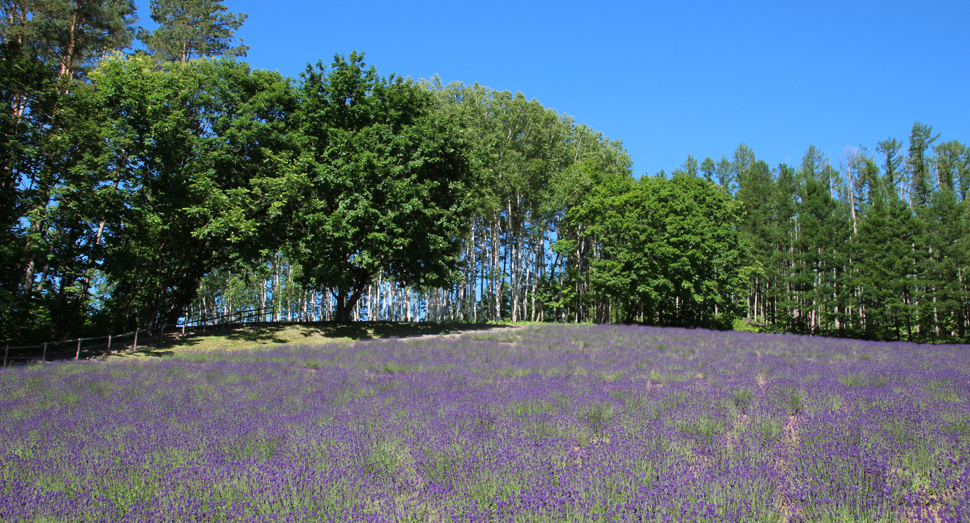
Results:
[379, 184]
[668, 248]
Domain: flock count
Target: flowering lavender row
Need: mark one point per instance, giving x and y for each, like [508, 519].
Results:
[544, 423]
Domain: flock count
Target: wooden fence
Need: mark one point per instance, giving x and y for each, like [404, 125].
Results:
[127, 342]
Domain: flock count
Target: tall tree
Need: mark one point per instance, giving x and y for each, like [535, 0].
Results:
[708, 168]
[48, 49]
[379, 184]
[190, 29]
[741, 163]
[527, 159]
[725, 174]
[886, 264]
[756, 193]
[920, 140]
[70, 35]
[689, 168]
[892, 163]
[668, 251]
[28, 94]
[186, 144]
[876, 279]
[951, 167]
[821, 233]
[784, 233]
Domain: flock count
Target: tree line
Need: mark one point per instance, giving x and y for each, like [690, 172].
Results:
[173, 181]
[875, 247]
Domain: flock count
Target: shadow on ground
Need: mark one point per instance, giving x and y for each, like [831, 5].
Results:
[248, 336]
[267, 334]
[364, 330]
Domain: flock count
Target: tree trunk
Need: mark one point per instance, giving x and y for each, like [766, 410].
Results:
[495, 312]
[276, 287]
[512, 252]
[346, 304]
[471, 304]
[382, 297]
[68, 57]
[289, 291]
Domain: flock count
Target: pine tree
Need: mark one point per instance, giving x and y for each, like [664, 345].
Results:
[755, 191]
[191, 29]
[784, 232]
[920, 140]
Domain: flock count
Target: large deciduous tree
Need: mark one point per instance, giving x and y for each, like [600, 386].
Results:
[379, 185]
[185, 141]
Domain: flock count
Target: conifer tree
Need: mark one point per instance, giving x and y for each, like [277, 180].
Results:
[920, 140]
[755, 191]
[191, 29]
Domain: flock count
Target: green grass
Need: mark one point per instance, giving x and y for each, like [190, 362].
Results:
[195, 345]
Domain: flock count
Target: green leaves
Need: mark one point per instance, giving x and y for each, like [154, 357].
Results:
[668, 250]
[190, 29]
[69, 36]
[378, 185]
[190, 143]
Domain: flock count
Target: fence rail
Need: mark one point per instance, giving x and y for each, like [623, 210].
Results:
[126, 342]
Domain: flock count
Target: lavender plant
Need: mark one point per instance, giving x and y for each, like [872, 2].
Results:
[543, 423]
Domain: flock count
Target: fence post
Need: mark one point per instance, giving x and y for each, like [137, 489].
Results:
[43, 354]
[6, 350]
[78, 354]
[134, 346]
[109, 344]
[183, 330]
[161, 335]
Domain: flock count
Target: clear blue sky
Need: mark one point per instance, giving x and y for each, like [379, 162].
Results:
[667, 79]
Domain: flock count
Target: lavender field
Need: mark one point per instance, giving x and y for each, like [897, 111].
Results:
[541, 423]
